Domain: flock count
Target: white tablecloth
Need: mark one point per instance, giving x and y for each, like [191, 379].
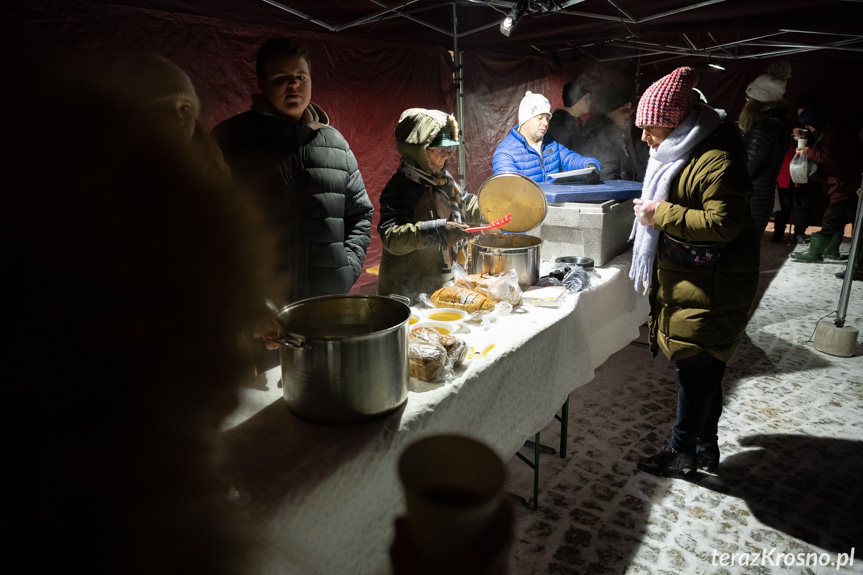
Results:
[326, 496]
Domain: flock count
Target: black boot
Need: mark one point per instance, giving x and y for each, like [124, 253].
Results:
[669, 461]
[857, 277]
[707, 455]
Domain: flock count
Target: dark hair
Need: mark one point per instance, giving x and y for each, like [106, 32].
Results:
[575, 91]
[277, 48]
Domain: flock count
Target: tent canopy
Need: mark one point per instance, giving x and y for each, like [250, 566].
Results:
[372, 59]
[602, 30]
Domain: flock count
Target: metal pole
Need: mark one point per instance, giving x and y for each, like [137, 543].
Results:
[849, 267]
[459, 99]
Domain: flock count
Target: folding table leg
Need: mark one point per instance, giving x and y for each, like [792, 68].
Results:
[535, 466]
[563, 418]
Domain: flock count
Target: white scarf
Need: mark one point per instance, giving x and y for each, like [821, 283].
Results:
[665, 164]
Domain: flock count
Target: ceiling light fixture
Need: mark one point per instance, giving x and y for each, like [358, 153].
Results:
[534, 8]
[511, 20]
[714, 63]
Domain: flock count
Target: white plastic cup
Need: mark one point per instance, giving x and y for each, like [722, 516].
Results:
[801, 143]
[454, 487]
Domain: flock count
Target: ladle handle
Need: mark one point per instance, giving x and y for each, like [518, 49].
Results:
[495, 224]
[286, 339]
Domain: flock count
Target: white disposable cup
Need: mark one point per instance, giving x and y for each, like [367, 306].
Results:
[801, 143]
[453, 489]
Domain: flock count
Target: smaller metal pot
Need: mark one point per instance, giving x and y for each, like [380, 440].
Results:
[499, 253]
[583, 262]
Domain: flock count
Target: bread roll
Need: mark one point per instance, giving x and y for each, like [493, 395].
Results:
[426, 359]
[461, 298]
[456, 349]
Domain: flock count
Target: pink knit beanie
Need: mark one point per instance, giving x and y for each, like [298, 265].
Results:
[668, 101]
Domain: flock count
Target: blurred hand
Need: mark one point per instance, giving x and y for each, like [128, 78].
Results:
[644, 211]
[268, 331]
[488, 556]
[456, 232]
[800, 133]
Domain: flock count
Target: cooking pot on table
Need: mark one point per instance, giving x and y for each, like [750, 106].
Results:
[499, 253]
[521, 197]
[344, 357]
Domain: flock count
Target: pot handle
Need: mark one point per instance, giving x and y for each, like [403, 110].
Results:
[291, 341]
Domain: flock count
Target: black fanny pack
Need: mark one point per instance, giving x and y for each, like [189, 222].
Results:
[692, 253]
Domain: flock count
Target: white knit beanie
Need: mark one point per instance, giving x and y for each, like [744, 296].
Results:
[770, 87]
[532, 105]
[766, 88]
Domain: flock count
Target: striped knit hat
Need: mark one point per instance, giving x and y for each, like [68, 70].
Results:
[667, 101]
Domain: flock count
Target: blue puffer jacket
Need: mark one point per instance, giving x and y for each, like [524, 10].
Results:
[514, 154]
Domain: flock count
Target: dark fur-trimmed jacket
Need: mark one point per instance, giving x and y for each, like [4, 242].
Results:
[766, 143]
[310, 185]
[413, 234]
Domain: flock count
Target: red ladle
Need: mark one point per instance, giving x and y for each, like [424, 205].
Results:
[495, 224]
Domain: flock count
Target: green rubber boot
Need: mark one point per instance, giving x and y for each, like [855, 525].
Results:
[831, 250]
[813, 254]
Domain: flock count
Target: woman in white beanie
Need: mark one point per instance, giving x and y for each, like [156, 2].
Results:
[766, 136]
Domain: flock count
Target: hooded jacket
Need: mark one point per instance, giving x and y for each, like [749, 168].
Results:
[415, 206]
[694, 308]
[514, 154]
[766, 143]
[309, 183]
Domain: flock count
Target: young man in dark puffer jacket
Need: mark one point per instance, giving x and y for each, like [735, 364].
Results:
[305, 173]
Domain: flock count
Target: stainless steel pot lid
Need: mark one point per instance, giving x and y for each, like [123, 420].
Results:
[514, 194]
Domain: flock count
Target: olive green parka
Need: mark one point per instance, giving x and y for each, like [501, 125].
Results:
[694, 308]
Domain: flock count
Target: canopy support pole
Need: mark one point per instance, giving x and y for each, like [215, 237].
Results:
[459, 98]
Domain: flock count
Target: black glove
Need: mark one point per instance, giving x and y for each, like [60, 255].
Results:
[594, 176]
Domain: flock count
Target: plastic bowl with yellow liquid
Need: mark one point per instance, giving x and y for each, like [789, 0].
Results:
[442, 327]
[447, 314]
[414, 317]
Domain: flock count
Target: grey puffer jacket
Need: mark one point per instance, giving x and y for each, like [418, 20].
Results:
[309, 183]
[766, 143]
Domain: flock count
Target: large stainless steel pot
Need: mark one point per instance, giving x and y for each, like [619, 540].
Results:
[344, 357]
[498, 253]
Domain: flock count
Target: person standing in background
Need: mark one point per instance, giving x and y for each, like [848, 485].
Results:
[304, 173]
[608, 138]
[765, 136]
[166, 96]
[793, 196]
[566, 124]
[834, 146]
[527, 151]
[696, 254]
[141, 256]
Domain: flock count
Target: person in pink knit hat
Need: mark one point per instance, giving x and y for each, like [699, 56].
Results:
[696, 254]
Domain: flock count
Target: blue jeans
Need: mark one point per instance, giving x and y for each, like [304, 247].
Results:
[699, 401]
